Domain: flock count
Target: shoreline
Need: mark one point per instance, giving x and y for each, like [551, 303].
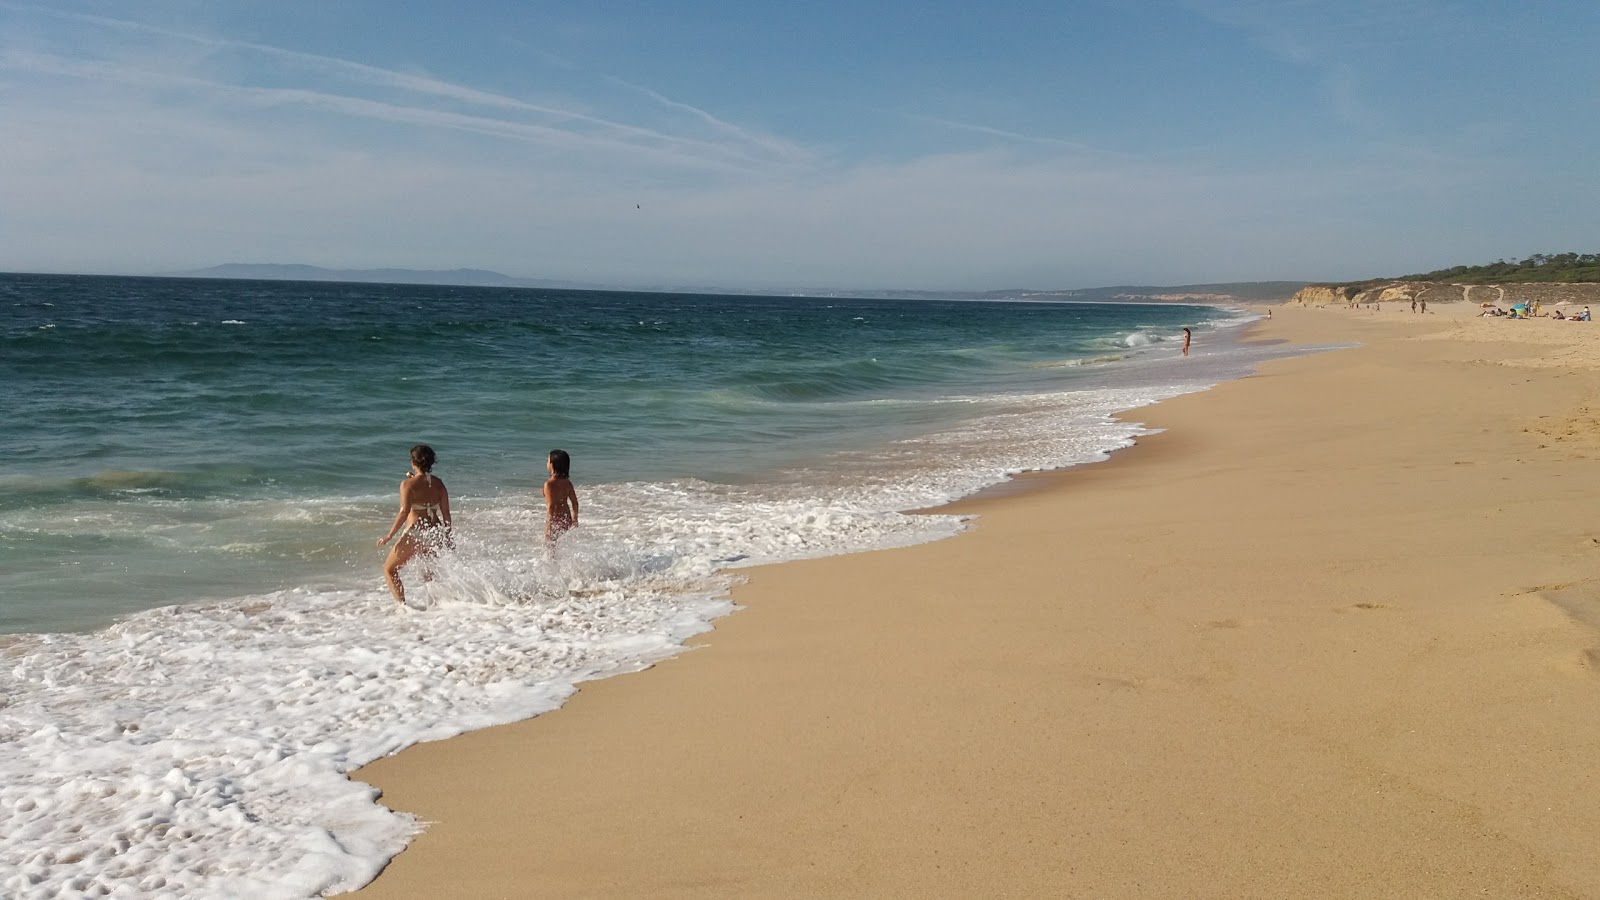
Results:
[1253, 655]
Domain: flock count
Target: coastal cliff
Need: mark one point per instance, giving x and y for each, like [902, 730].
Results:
[1583, 293]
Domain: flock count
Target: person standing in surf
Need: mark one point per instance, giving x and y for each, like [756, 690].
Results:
[425, 517]
[1186, 337]
[560, 499]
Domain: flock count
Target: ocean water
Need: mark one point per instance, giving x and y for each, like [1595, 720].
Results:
[195, 642]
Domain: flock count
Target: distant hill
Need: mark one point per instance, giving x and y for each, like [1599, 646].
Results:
[286, 272]
[1231, 292]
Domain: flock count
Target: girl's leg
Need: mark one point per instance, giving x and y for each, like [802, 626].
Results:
[399, 556]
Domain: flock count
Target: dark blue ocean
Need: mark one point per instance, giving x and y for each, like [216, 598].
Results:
[196, 472]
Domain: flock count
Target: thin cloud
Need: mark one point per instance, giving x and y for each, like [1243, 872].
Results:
[1001, 133]
[747, 147]
[781, 148]
[544, 56]
[1313, 32]
[1341, 40]
[662, 148]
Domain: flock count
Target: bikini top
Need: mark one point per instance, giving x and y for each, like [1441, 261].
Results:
[431, 510]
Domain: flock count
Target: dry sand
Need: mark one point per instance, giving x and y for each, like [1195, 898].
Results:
[1331, 634]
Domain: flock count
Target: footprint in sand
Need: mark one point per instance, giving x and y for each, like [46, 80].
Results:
[1231, 623]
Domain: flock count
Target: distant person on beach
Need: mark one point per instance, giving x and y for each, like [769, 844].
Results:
[423, 522]
[1186, 336]
[1413, 304]
[560, 500]
[1424, 306]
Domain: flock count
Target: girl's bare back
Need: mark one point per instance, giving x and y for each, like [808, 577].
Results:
[561, 506]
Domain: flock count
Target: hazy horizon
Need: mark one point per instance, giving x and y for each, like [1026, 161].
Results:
[236, 271]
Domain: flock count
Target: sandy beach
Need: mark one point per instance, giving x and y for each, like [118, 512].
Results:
[1332, 633]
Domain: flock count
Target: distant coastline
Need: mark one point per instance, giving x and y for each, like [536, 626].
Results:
[1229, 292]
[298, 272]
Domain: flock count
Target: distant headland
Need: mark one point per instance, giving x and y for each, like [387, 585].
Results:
[1228, 292]
[295, 272]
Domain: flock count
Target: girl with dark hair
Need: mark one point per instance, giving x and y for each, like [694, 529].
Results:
[425, 515]
[560, 500]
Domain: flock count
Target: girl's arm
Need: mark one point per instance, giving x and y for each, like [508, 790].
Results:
[400, 517]
[572, 498]
[444, 514]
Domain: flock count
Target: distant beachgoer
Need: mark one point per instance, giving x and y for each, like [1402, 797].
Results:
[560, 500]
[425, 515]
[1424, 306]
[1413, 304]
[1584, 316]
[1269, 313]
[1187, 335]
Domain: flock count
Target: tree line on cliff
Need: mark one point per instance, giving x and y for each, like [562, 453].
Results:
[1557, 268]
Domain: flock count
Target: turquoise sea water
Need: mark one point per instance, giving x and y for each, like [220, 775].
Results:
[197, 641]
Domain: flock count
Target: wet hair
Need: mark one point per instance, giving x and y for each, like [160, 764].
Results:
[560, 462]
[422, 457]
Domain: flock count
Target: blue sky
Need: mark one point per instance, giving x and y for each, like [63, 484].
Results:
[935, 145]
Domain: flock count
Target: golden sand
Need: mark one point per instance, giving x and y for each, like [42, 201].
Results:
[1331, 634]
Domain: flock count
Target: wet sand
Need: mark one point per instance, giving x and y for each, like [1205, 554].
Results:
[1331, 634]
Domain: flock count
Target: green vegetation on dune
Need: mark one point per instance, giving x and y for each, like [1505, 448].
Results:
[1559, 268]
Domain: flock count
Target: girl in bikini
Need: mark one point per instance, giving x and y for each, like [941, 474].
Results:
[423, 522]
[560, 500]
